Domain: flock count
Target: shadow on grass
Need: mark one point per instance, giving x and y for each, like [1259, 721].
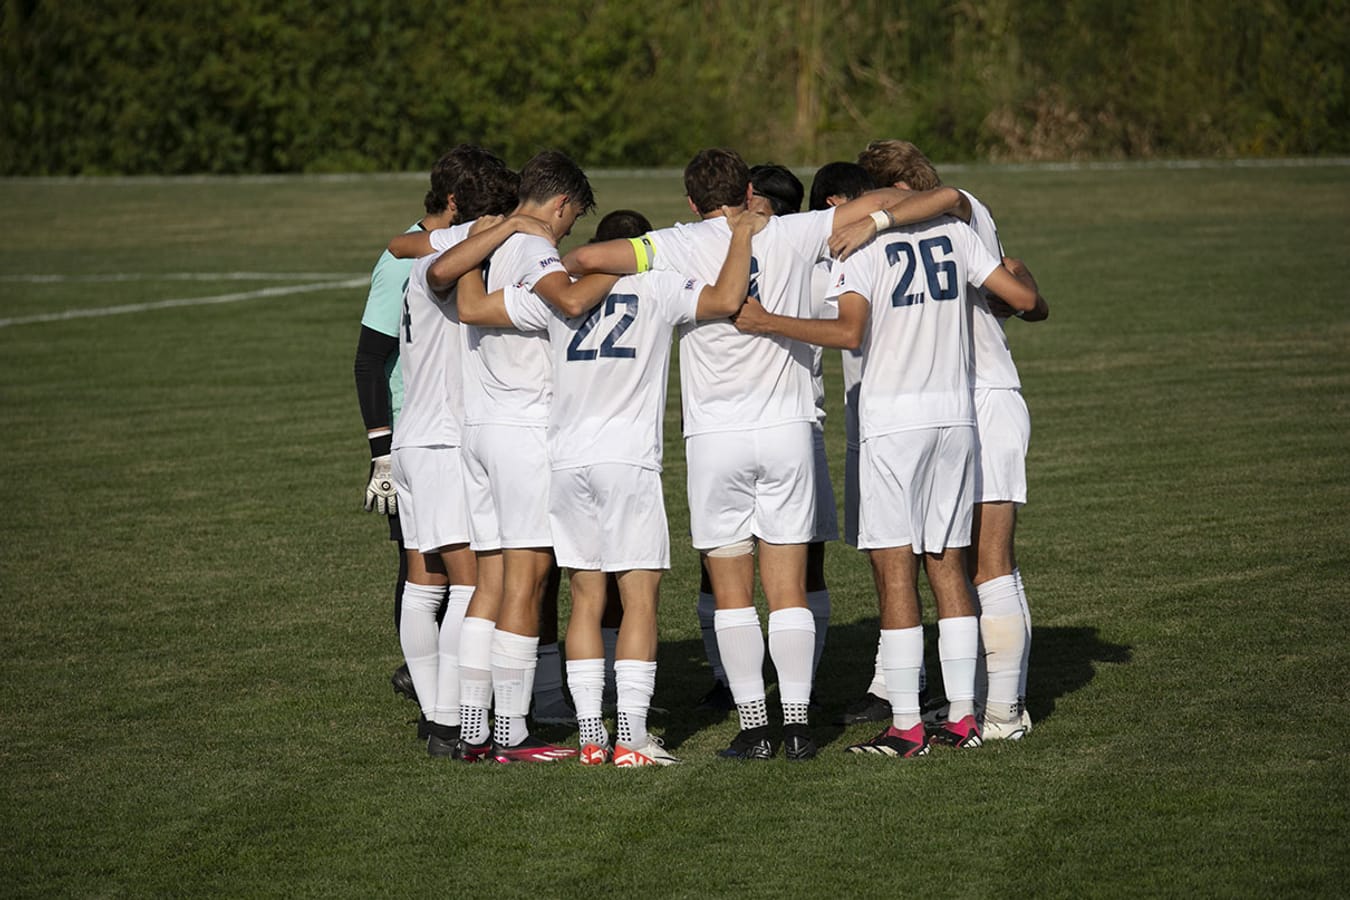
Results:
[1063, 659]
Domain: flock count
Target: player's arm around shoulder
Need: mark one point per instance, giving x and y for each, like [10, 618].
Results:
[1014, 285]
[572, 298]
[859, 220]
[485, 235]
[724, 298]
[616, 257]
[477, 307]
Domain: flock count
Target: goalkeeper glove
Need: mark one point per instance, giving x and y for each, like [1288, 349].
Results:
[380, 494]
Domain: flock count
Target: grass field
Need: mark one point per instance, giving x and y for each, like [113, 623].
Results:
[196, 636]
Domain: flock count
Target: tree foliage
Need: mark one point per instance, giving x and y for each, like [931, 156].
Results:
[179, 86]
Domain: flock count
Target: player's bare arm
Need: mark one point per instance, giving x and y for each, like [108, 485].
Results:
[1015, 286]
[485, 235]
[476, 306]
[616, 257]
[857, 222]
[845, 332]
[572, 298]
[717, 301]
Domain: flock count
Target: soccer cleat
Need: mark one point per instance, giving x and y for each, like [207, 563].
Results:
[964, 735]
[443, 740]
[653, 753]
[531, 750]
[423, 727]
[472, 753]
[994, 730]
[718, 699]
[750, 743]
[554, 710]
[596, 755]
[402, 683]
[895, 743]
[870, 708]
[797, 743]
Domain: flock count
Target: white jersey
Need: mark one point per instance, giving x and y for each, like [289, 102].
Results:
[610, 368]
[732, 381]
[508, 376]
[994, 367]
[916, 371]
[820, 309]
[430, 349]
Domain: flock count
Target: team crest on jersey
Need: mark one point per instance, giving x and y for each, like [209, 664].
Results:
[689, 285]
[840, 282]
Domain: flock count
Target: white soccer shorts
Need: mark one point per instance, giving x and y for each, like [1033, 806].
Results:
[431, 506]
[506, 478]
[1002, 435]
[917, 489]
[609, 517]
[759, 482]
[827, 517]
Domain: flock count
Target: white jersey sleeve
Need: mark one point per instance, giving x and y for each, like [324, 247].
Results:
[526, 310]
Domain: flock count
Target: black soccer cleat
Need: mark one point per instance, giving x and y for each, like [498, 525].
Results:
[750, 743]
[402, 683]
[797, 743]
[443, 740]
[870, 708]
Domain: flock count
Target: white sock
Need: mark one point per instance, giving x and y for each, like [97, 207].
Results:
[636, 681]
[514, 657]
[819, 604]
[1003, 631]
[447, 675]
[958, 648]
[707, 608]
[548, 676]
[878, 686]
[475, 679]
[420, 636]
[901, 653]
[586, 679]
[742, 644]
[1026, 648]
[792, 640]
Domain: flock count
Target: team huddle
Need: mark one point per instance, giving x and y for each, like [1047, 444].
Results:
[529, 439]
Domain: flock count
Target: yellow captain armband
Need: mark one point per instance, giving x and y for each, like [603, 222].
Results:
[644, 251]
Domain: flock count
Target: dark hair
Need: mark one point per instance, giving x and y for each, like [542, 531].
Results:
[621, 223]
[779, 186]
[890, 162]
[550, 174]
[715, 178]
[839, 179]
[451, 168]
[490, 191]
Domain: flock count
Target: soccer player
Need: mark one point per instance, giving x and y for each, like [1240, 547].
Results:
[747, 413]
[607, 510]
[426, 468]
[1003, 431]
[903, 298]
[379, 382]
[508, 389]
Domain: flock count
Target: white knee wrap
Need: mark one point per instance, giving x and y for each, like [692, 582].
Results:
[738, 548]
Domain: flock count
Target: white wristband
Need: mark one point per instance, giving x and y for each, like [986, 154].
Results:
[883, 219]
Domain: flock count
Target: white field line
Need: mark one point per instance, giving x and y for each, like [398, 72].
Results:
[188, 301]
